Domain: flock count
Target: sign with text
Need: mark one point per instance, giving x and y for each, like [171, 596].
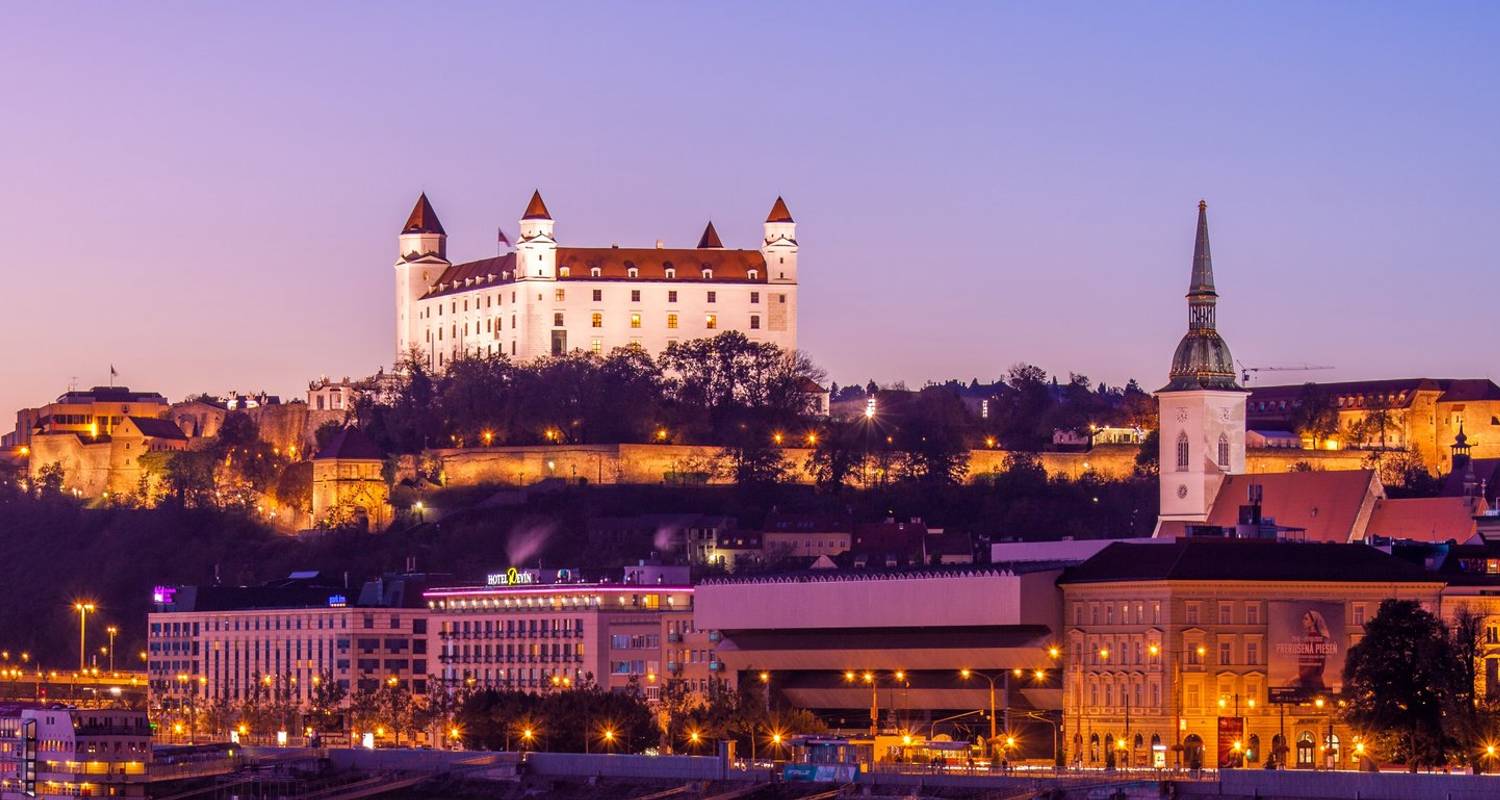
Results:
[1306, 649]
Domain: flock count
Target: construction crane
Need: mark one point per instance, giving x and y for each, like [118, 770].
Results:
[1245, 371]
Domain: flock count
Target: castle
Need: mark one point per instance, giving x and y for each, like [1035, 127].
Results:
[542, 299]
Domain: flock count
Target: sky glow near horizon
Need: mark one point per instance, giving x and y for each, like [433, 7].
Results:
[208, 197]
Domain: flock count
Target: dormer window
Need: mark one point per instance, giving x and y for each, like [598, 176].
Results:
[594, 272]
[708, 274]
[564, 272]
[754, 274]
[671, 273]
[632, 273]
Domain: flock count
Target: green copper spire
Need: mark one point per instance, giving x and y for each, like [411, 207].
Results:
[1202, 360]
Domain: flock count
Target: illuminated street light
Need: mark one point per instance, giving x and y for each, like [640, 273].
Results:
[84, 608]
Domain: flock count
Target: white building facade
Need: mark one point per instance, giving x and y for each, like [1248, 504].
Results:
[541, 299]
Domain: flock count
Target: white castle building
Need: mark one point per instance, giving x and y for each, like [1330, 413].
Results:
[543, 299]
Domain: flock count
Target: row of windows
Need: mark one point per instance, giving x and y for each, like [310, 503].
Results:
[1182, 451]
[561, 295]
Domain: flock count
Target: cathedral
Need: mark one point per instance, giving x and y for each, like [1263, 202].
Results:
[1202, 408]
[539, 298]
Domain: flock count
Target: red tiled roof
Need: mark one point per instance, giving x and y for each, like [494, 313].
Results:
[463, 277]
[536, 209]
[350, 443]
[423, 218]
[779, 212]
[710, 238]
[158, 428]
[1331, 506]
[1426, 519]
[614, 263]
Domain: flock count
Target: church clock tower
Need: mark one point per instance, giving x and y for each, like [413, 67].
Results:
[1202, 409]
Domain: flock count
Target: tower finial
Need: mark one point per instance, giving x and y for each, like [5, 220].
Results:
[1203, 263]
[710, 238]
[1202, 360]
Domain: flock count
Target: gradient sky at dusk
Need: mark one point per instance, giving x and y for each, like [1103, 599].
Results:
[208, 195]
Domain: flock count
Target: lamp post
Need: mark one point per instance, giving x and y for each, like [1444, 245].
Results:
[873, 679]
[112, 631]
[1004, 676]
[83, 609]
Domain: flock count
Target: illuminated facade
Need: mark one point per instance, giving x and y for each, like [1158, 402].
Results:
[206, 644]
[546, 630]
[1170, 642]
[540, 298]
[58, 752]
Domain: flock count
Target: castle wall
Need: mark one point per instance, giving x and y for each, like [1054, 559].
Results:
[653, 463]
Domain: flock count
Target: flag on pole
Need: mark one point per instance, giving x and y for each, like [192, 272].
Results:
[502, 240]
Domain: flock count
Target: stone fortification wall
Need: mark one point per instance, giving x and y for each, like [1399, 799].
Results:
[650, 463]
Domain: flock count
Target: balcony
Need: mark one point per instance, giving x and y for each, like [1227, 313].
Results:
[715, 666]
[674, 667]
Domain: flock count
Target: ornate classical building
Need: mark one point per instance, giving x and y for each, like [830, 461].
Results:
[540, 298]
[1202, 408]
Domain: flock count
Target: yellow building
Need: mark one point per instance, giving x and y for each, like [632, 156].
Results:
[1216, 652]
[348, 482]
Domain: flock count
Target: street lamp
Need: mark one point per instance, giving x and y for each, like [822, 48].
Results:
[1005, 678]
[112, 631]
[84, 609]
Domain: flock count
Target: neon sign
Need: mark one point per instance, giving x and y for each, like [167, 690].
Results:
[510, 577]
[163, 595]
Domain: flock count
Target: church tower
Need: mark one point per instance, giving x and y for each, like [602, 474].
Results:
[421, 256]
[536, 250]
[780, 245]
[1202, 408]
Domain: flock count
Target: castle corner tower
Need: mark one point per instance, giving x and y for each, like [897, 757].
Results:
[1202, 408]
[422, 255]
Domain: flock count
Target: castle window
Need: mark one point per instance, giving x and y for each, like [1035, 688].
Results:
[560, 295]
[708, 274]
[1224, 451]
[565, 272]
[635, 295]
[1182, 451]
[672, 296]
[671, 320]
[632, 273]
[713, 297]
[671, 273]
[711, 321]
[753, 274]
[755, 298]
[557, 319]
[596, 345]
[754, 322]
[594, 272]
[635, 320]
[596, 320]
[598, 295]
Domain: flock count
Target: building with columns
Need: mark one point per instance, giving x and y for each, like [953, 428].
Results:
[540, 298]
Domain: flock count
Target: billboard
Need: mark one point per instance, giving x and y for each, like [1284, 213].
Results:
[1306, 649]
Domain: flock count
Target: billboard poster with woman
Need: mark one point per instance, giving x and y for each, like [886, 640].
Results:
[1306, 648]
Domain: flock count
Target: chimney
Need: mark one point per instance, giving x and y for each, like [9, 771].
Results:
[658, 244]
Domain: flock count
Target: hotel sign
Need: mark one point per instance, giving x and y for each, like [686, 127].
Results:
[510, 577]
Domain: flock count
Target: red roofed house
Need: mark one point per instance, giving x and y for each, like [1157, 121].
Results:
[541, 298]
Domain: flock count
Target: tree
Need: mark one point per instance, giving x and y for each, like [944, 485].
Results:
[1465, 638]
[325, 701]
[1315, 415]
[1400, 680]
[838, 456]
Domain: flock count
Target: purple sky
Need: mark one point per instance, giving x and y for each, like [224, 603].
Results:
[208, 195]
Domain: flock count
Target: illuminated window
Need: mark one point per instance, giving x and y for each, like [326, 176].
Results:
[671, 273]
[564, 272]
[671, 320]
[597, 345]
[594, 272]
[711, 321]
[708, 274]
[632, 273]
[560, 295]
[635, 320]
[596, 320]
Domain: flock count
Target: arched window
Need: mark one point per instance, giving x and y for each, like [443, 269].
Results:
[1305, 748]
[1182, 451]
[1252, 753]
[1093, 747]
[1224, 450]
